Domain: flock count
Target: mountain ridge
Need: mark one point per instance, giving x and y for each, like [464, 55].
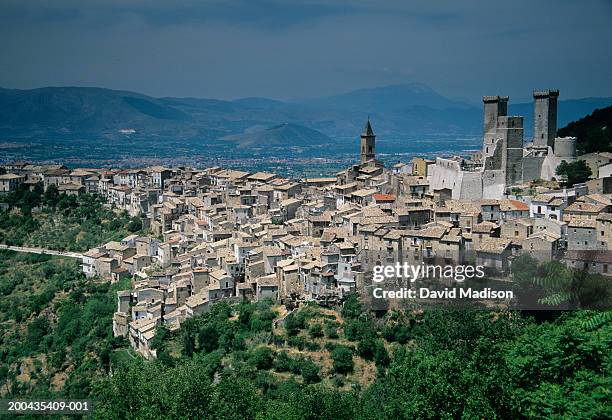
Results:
[396, 111]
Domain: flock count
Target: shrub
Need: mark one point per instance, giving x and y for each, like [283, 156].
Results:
[366, 348]
[352, 307]
[381, 356]
[282, 362]
[397, 333]
[315, 331]
[331, 329]
[355, 330]
[342, 358]
[297, 341]
[262, 357]
[294, 323]
[310, 372]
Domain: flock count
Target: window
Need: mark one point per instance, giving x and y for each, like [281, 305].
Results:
[539, 209]
[605, 268]
[516, 233]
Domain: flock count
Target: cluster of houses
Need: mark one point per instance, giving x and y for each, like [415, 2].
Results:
[226, 234]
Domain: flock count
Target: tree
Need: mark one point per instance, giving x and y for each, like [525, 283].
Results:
[37, 331]
[234, 398]
[294, 323]
[159, 344]
[352, 307]
[594, 132]
[575, 172]
[381, 356]
[562, 369]
[342, 358]
[310, 372]
[356, 329]
[331, 329]
[188, 337]
[315, 331]
[366, 348]
[51, 196]
[134, 225]
[262, 357]
[208, 338]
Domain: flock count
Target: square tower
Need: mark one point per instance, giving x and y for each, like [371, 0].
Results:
[545, 117]
[510, 133]
[494, 107]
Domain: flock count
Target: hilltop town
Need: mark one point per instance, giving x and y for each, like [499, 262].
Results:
[220, 234]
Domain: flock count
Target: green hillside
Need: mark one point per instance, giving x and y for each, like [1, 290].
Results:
[230, 363]
[594, 132]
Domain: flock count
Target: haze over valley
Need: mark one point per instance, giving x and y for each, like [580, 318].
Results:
[94, 126]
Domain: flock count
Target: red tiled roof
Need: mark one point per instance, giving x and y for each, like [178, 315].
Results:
[383, 197]
[519, 205]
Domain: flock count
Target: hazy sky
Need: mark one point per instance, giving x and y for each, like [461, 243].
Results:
[299, 48]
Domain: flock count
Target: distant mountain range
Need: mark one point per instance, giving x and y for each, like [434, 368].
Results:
[396, 111]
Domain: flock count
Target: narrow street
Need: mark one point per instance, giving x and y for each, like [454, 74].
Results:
[32, 250]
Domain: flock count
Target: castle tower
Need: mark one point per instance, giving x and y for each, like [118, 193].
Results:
[510, 133]
[545, 117]
[494, 107]
[368, 143]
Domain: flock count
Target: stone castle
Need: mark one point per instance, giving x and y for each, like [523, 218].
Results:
[506, 160]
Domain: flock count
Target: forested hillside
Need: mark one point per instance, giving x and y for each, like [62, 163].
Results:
[61, 222]
[56, 335]
[408, 364]
[231, 363]
[594, 132]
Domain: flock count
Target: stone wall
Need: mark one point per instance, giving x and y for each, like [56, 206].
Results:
[493, 184]
[532, 167]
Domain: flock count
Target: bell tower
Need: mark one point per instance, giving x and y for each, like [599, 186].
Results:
[368, 143]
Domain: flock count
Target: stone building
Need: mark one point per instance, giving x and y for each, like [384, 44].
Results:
[368, 143]
[505, 159]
